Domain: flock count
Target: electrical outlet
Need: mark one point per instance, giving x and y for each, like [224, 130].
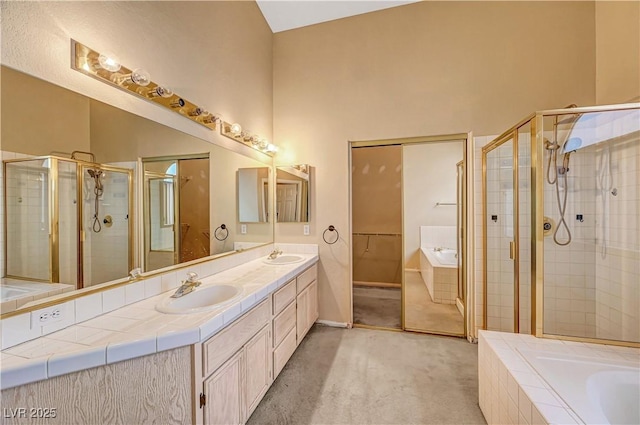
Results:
[305, 230]
[46, 316]
[243, 229]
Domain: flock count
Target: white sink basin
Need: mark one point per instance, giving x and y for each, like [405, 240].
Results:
[284, 259]
[201, 299]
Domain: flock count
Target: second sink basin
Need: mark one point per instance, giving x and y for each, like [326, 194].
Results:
[284, 259]
[201, 299]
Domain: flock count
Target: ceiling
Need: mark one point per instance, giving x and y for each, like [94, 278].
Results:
[286, 15]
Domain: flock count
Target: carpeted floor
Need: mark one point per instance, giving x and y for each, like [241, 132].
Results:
[363, 376]
[377, 306]
[422, 314]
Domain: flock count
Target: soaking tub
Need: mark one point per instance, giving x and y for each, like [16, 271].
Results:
[439, 270]
[598, 390]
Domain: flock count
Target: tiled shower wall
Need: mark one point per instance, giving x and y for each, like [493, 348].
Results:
[106, 255]
[500, 232]
[569, 271]
[28, 219]
[617, 250]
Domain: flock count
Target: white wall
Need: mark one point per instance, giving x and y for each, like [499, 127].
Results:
[429, 177]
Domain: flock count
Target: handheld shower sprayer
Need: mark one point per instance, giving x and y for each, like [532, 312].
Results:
[98, 190]
[566, 148]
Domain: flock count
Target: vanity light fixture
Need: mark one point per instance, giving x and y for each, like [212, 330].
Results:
[108, 69]
[234, 131]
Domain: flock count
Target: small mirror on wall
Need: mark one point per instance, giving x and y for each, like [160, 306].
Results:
[292, 193]
[253, 195]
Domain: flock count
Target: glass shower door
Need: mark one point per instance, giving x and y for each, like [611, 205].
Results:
[106, 251]
[499, 236]
[28, 206]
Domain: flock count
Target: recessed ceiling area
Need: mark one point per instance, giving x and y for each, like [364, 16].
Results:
[287, 15]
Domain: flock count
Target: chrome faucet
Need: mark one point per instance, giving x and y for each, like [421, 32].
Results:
[187, 286]
[135, 274]
[275, 254]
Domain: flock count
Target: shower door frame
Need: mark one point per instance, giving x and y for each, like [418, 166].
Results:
[536, 120]
[467, 232]
[54, 214]
[81, 232]
[510, 136]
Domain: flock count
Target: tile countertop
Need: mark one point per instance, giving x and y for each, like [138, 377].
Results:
[139, 329]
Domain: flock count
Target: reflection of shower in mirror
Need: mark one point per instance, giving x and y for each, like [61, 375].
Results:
[98, 190]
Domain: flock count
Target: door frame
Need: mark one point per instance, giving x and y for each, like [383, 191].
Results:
[468, 229]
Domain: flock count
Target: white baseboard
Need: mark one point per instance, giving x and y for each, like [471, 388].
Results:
[334, 324]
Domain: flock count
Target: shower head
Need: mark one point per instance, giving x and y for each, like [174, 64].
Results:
[95, 174]
[571, 145]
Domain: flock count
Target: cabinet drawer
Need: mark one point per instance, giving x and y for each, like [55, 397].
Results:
[282, 354]
[306, 277]
[284, 296]
[283, 323]
[217, 349]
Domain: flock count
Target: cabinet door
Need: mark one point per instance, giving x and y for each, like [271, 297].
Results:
[258, 369]
[312, 304]
[302, 302]
[222, 389]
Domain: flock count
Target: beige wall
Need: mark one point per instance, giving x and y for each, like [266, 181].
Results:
[617, 51]
[216, 54]
[40, 118]
[422, 69]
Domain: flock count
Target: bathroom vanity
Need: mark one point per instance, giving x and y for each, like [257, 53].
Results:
[206, 368]
[239, 364]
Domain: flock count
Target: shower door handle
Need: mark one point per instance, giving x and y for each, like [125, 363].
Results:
[512, 250]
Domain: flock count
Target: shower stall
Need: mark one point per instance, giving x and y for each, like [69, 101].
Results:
[67, 221]
[561, 225]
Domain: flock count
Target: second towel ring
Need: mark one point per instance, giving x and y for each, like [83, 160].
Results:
[221, 228]
[331, 228]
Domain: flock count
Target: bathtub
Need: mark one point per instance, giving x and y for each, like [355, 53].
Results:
[15, 293]
[447, 257]
[439, 271]
[598, 390]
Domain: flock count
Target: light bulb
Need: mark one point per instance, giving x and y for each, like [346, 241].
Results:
[208, 117]
[177, 103]
[109, 63]
[160, 91]
[140, 77]
[272, 148]
[236, 129]
[196, 112]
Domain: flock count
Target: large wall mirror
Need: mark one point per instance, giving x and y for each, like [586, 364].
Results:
[292, 193]
[136, 192]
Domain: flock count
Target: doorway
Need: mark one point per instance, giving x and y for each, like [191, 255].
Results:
[408, 234]
[176, 225]
[377, 235]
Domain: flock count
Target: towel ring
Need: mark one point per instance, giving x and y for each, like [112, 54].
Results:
[221, 227]
[331, 228]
